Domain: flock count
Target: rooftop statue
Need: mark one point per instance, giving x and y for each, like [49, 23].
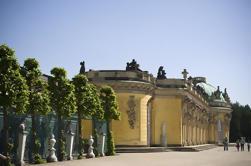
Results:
[161, 73]
[82, 69]
[133, 66]
[199, 89]
[225, 95]
[185, 73]
[216, 94]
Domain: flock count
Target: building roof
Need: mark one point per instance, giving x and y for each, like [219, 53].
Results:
[209, 89]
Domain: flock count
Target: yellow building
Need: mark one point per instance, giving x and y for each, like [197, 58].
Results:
[156, 111]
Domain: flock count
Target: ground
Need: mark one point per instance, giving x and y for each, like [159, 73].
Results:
[212, 157]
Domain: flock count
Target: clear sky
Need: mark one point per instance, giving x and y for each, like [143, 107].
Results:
[210, 38]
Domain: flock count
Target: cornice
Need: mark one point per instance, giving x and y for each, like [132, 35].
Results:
[222, 110]
[127, 86]
[139, 87]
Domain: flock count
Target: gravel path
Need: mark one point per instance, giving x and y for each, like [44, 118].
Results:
[212, 157]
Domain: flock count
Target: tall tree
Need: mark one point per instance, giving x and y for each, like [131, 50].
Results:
[63, 101]
[98, 114]
[246, 122]
[110, 106]
[235, 128]
[13, 88]
[88, 104]
[38, 100]
[240, 125]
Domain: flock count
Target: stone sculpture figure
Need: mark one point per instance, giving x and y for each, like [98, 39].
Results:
[52, 157]
[225, 95]
[69, 140]
[161, 73]
[133, 66]
[82, 69]
[21, 143]
[90, 150]
[190, 80]
[185, 73]
[131, 113]
[68, 127]
[217, 93]
[22, 125]
[127, 66]
[199, 90]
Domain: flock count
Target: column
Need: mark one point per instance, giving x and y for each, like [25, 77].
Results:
[185, 134]
[194, 133]
[204, 135]
[211, 129]
[190, 133]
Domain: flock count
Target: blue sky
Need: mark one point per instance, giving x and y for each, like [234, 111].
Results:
[210, 38]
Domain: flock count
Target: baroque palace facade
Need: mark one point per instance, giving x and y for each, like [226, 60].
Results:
[156, 111]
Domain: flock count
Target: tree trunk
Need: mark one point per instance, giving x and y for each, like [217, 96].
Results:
[80, 147]
[5, 131]
[107, 126]
[60, 139]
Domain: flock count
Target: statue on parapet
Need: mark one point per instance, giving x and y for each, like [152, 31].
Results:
[82, 68]
[225, 95]
[161, 73]
[185, 73]
[133, 66]
[216, 94]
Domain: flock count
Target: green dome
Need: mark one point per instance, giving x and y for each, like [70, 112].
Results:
[209, 89]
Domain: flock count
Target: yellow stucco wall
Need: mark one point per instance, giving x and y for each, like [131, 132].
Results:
[221, 116]
[86, 128]
[123, 134]
[166, 110]
[211, 133]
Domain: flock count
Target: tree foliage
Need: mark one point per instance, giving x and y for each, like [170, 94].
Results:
[38, 93]
[61, 93]
[98, 114]
[240, 125]
[13, 89]
[38, 100]
[87, 99]
[63, 101]
[110, 106]
[88, 104]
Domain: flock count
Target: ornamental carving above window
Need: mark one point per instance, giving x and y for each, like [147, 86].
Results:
[131, 113]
